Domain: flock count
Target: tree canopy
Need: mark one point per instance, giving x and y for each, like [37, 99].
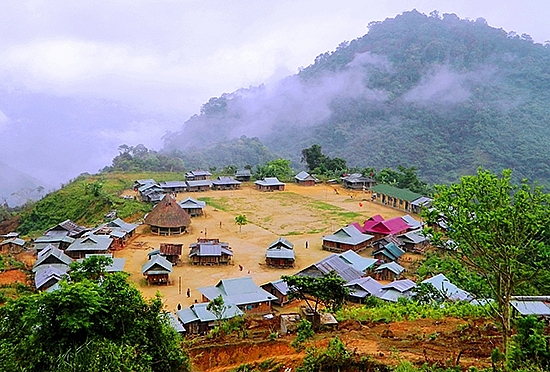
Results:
[500, 230]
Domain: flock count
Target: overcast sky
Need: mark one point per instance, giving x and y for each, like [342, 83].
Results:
[79, 78]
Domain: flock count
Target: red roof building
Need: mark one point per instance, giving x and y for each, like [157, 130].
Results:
[379, 227]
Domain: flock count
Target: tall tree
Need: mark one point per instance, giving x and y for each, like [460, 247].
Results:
[313, 157]
[501, 231]
[241, 220]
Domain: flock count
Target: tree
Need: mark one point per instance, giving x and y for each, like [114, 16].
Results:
[279, 168]
[241, 221]
[313, 157]
[327, 290]
[92, 267]
[501, 233]
[217, 307]
[89, 325]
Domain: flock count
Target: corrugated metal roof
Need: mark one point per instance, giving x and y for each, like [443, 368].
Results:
[91, 243]
[47, 273]
[348, 235]
[280, 253]
[414, 237]
[448, 289]
[281, 241]
[269, 181]
[191, 203]
[402, 285]
[403, 194]
[391, 250]
[175, 323]
[206, 249]
[199, 183]
[422, 201]
[239, 291]
[358, 262]
[225, 180]
[531, 307]
[367, 285]
[394, 267]
[58, 256]
[335, 263]
[157, 265]
[16, 241]
[123, 225]
[409, 220]
[281, 286]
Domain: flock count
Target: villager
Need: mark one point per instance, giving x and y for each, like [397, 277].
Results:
[179, 306]
[188, 293]
[240, 267]
[307, 244]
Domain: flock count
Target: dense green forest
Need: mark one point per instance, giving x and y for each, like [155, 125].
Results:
[435, 92]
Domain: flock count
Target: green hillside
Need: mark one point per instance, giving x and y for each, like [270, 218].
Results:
[443, 94]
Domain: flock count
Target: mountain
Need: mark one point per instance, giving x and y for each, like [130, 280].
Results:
[440, 93]
[18, 187]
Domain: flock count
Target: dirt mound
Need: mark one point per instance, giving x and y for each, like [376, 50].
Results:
[13, 276]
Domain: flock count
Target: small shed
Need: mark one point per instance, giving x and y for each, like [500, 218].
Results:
[305, 179]
[356, 181]
[280, 253]
[243, 175]
[361, 288]
[210, 252]
[48, 276]
[414, 241]
[12, 245]
[390, 252]
[279, 289]
[197, 319]
[389, 271]
[66, 228]
[171, 251]
[168, 218]
[192, 206]
[269, 184]
[157, 270]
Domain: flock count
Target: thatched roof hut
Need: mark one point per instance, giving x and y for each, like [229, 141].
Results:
[168, 218]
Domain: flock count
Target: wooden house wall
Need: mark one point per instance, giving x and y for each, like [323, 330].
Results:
[279, 262]
[167, 231]
[270, 188]
[281, 299]
[386, 275]
[157, 279]
[198, 188]
[384, 258]
[82, 254]
[211, 260]
[342, 247]
[242, 178]
[256, 308]
[226, 187]
[306, 182]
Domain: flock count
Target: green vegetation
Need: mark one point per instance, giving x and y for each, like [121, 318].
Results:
[385, 312]
[304, 332]
[218, 203]
[86, 200]
[89, 325]
[8, 262]
[530, 347]
[241, 220]
[501, 233]
[140, 158]
[268, 365]
[279, 168]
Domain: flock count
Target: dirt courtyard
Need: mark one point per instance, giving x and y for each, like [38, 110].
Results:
[301, 214]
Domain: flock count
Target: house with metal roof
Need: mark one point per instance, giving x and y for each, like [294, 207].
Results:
[269, 184]
[60, 241]
[89, 244]
[52, 256]
[361, 288]
[418, 204]
[173, 186]
[12, 245]
[389, 271]
[199, 185]
[157, 270]
[171, 251]
[225, 183]
[397, 289]
[538, 306]
[394, 197]
[243, 175]
[280, 253]
[363, 264]
[197, 175]
[357, 181]
[141, 183]
[347, 238]
[66, 228]
[193, 207]
[242, 292]
[127, 227]
[47, 276]
[333, 262]
[414, 241]
[305, 179]
[413, 223]
[390, 252]
[448, 290]
[197, 319]
[175, 323]
[279, 289]
[210, 252]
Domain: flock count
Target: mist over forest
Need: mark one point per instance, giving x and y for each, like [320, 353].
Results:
[432, 91]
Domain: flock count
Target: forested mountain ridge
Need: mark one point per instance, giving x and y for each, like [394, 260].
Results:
[436, 92]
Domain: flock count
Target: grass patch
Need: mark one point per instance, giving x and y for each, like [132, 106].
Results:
[218, 203]
[319, 205]
[349, 215]
[293, 233]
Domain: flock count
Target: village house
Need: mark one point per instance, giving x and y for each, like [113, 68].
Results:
[280, 253]
[168, 218]
[378, 227]
[448, 290]
[61, 242]
[171, 251]
[414, 241]
[48, 276]
[157, 270]
[279, 289]
[193, 207]
[360, 289]
[382, 242]
[141, 183]
[210, 252]
[362, 264]
[394, 197]
[243, 175]
[89, 244]
[198, 175]
[54, 257]
[118, 230]
[242, 292]
[173, 187]
[305, 179]
[346, 238]
[397, 289]
[225, 183]
[199, 185]
[389, 271]
[150, 193]
[388, 253]
[357, 181]
[197, 319]
[333, 262]
[66, 228]
[420, 203]
[269, 184]
[12, 245]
